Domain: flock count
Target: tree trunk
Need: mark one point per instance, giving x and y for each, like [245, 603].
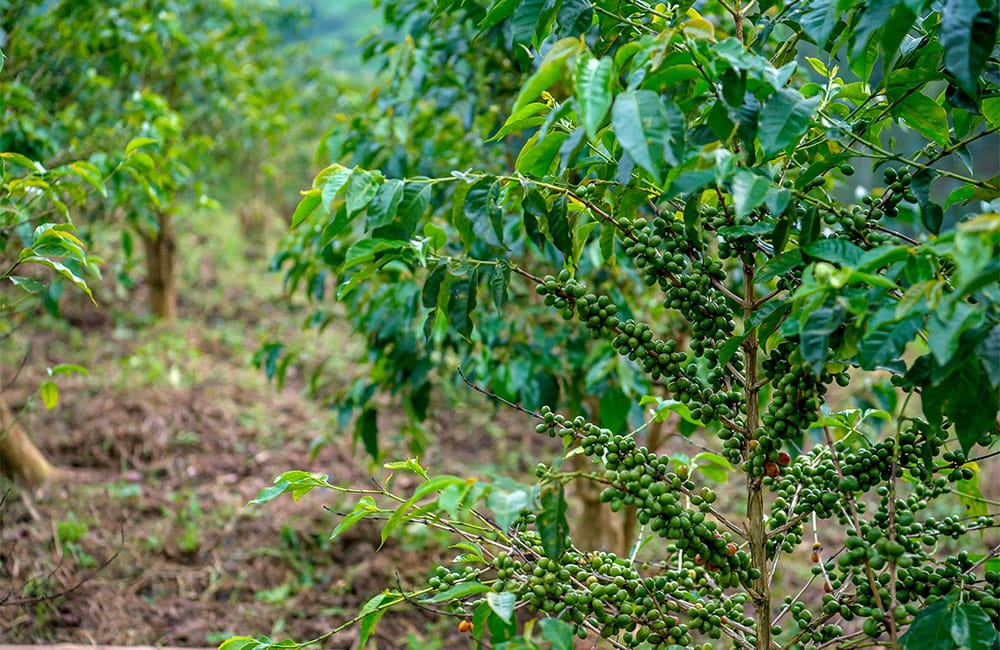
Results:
[161, 268]
[19, 458]
[598, 528]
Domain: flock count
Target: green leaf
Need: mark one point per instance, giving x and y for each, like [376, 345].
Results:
[365, 251]
[969, 401]
[838, 251]
[551, 523]
[558, 227]
[930, 630]
[68, 369]
[526, 20]
[298, 482]
[499, 10]
[499, 281]
[524, 118]
[507, 505]
[480, 615]
[364, 507]
[815, 335]
[481, 207]
[383, 207]
[416, 200]
[330, 182]
[50, 393]
[462, 303]
[614, 408]
[922, 113]
[784, 118]
[23, 161]
[432, 287]
[406, 510]
[575, 16]
[28, 284]
[549, 71]
[988, 352]
[819, 20]
[973, 626]
[366, 429]
[370, 614]
[458, 591]
[238, 643]
[960, 628]
[410, 465]
[59, 268]
[748, 191]
[944, 331]
[969, 494]
[780, 265]
[535, 159]
[664, 407]
[310, 201]
[968, 34]
[138, 143]
[361, 189]
[641, 125]
[558, 633]
[91, 175]
[502, 604]
[715, 467]
[973, 192]
[594, 81]
[886, 343]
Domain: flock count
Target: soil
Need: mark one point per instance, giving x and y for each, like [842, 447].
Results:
[162, 492]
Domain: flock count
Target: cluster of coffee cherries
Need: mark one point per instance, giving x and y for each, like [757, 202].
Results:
[640, 478]
[604, 592]
[919, 580]
[807, 624]
[860, 222]
[795, 399]
[893, 542]
[707, 397]
[812, 484]
[667, 257]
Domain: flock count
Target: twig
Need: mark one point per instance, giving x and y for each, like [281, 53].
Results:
[492, 395]
[418, 605]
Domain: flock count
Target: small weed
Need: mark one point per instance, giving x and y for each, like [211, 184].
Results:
[124, 490]
[275, 596]
[189, 519]
[70, 530]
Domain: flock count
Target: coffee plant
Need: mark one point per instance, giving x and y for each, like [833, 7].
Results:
[89, 76]
[802, 183]
[446, 84]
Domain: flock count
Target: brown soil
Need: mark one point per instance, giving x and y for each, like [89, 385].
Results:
[160, 477]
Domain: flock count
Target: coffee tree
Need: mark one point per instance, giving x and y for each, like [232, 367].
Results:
[716, 151]
[98, 74]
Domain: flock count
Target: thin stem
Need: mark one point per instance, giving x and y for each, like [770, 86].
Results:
[492, 395]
